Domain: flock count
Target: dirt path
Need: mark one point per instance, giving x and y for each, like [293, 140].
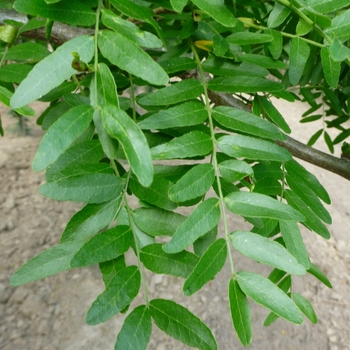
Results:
[49, 314]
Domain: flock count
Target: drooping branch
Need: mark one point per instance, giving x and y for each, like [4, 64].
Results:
[61, 33]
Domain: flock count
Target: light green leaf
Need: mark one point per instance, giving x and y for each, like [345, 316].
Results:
[240, 313]
[325, 6]
[339, 52]
[155, 259]
[61, 136]
[257, 205]
[273, 113]
[238, 120]
[181, 324]
[157, 222]
[305, 306]
[90, 188]
[178, 5]
[176, 93]
[331, 68]
[294, 242]
[136, 330]
[204, 218]
[90, 220]
[128, 56]
[195, 183]
[52, 70]
[104, 246]
[186, 114]
[234, 170]
[120, 126]
[311, 220]
[340, 27]
[278, 15]
[251, 148]
[217, 10]
[243, 84]
[119, 293]
[5, 97]
[72, 12]
[315, 271]
[47, 263]
[303, 27]
[267, 294]
[210, 263]
[266, 251]
[192, 144]
[299, 53]
[130, 30]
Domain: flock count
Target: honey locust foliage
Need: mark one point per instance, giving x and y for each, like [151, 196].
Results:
[192, 81]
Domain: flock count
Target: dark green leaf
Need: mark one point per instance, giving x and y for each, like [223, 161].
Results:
[192, 144]
[329, 141]
[276, 45]
[180, 264]
[178, 322]
[120, 126]
[331, 68]
[128, 56]
[248, 38]
[251, 148]
[111, 267]
[265, 293]
[177, 92]
[178, 64]
[5, 97]
[315, 137]
[263, 61]
[65, 88]
[210, 263]
[47, 263]
[52, 70]
[119, 293]
[299, 53]
[234, 170]
[305, 306]
[195, 183]
[240, 313]
[203, 219]
[315, 271]
[14, 73]
[276, 275]
[266, 251]
[104, 246]
[201, 245]
[136, 331]
[261, 206]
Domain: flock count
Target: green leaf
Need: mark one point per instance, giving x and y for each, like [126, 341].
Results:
[128, 56]
[119, 293]
[186, 114]
[204, 218]
[263, 61]
[261, 206]
[240, 313]
[47, 263]
[201, 245]
[331, 68]
[157, 222]
[294, 242]
[178, 5]
[195, 183]
[315, 271]
[217, 10]
[248, 38]
[178, 64]
[234, 170]
[315, 137]
[303, 27]
[176, 93]
[340, 27]
[33, 23]
[130, 30]
[156, 194]
[311, 220]
[61, 136]
[155, 259]
[136, 330]
[338, 51]
[278, 15]
[243, 84]
[266, 251]
[104, 246]
[90, 188]
[238, 120]
[5, 97]
[120, 126]
[181, 324]
[325, 6]
[251, 148]
[14, 73]
[273, 113]
[305, 306]
[209, 265]
[267, 294]
[72, 12]
[329, 141]
[52, 70]
[111, 267]
[276, 45]
[192, 144]
[299, 53]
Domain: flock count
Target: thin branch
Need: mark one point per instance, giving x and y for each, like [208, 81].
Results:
[323, 160]
[62, 33]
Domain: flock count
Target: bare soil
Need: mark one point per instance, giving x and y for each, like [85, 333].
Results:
[49, 314]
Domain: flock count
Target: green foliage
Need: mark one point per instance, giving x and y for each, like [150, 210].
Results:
[190, 81]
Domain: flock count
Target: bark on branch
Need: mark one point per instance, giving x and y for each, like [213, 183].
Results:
[61, 33]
